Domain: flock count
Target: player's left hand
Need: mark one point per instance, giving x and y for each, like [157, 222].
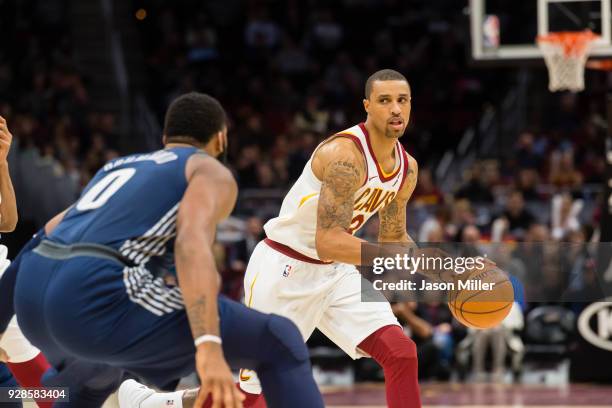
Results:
[6, 138]
[216, 378]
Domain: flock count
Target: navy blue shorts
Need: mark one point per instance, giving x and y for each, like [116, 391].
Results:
[79, 310]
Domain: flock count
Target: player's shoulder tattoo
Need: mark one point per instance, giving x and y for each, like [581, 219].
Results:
[342, 178]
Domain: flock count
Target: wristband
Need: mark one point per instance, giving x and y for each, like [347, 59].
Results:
[207, 338]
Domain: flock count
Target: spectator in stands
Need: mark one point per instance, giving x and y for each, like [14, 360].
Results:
[311, 118]
[242, 250]
[527, 182]
[426, 191]
[305, 145]
[435, 224]
[565, 211]
[563, 174]
[515, 219]
[462, 215]
[477, 187]
[527, 154]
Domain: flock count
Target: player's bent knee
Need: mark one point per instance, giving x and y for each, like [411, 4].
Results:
[404, 348]
[389, 345]
[284, 332]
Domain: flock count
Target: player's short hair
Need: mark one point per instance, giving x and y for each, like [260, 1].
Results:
[194, 116]
[383, 75]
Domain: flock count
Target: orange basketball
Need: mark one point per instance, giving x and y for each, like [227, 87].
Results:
[482, 299]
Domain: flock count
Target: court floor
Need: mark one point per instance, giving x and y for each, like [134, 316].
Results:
[479, 396]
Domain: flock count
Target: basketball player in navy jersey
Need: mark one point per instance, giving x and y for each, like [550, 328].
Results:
[97, 295]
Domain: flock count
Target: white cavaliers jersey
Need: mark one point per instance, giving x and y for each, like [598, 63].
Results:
[296, 224]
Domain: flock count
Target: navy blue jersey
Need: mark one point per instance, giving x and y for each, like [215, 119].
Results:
[130, 205]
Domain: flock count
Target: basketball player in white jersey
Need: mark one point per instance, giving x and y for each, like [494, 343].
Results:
[26, 362]
[305, 268]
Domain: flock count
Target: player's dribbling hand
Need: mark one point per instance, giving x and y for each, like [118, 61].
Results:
[216, 378]
[5, 140]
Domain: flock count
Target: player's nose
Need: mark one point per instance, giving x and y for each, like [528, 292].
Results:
[396, 109]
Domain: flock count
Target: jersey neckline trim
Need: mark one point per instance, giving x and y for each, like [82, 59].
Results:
[381, 173]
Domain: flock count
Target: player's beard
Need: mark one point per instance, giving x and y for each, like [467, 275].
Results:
[391, 134]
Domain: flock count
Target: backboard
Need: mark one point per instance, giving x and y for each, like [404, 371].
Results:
[506, 30]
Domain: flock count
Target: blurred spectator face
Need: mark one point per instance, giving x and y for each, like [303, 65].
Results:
[470, 234]
[443, 214]
[265, 175]
[462, 212]
[312, 103]
[250, 154]
[254, 123]
[538, 233]
[254, 226]
[388, 107]
[567, 160]
[525, 141]
[426, 180]
[576, 239]
[516, 203]
[98, 143]
[527, 178]
[490, 174]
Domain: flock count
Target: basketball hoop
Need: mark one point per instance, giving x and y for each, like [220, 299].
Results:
[565, 54]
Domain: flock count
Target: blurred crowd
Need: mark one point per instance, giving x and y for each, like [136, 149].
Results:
[291, 73]
[59, 141]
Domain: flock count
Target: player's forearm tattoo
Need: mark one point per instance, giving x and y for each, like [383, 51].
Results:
[196, 311]
[393, 216]
[337, 194]
[393, 222]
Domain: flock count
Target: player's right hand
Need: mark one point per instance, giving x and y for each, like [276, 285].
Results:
[6, 138]
[216, 378]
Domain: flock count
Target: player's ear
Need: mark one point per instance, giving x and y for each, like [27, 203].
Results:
[221, 142]
[366, 105]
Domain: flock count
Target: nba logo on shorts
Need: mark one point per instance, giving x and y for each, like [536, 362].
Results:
[286, 270]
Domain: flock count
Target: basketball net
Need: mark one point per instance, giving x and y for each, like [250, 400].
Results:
[565, 54]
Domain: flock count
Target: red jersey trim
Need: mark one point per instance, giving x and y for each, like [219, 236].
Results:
[378, 168]
[406, 167]
[292, 253]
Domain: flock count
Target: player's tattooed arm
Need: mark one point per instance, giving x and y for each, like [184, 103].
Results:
[196, 310]
[341, 180]
[393, 216]
[210, 197]
[341, 168]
